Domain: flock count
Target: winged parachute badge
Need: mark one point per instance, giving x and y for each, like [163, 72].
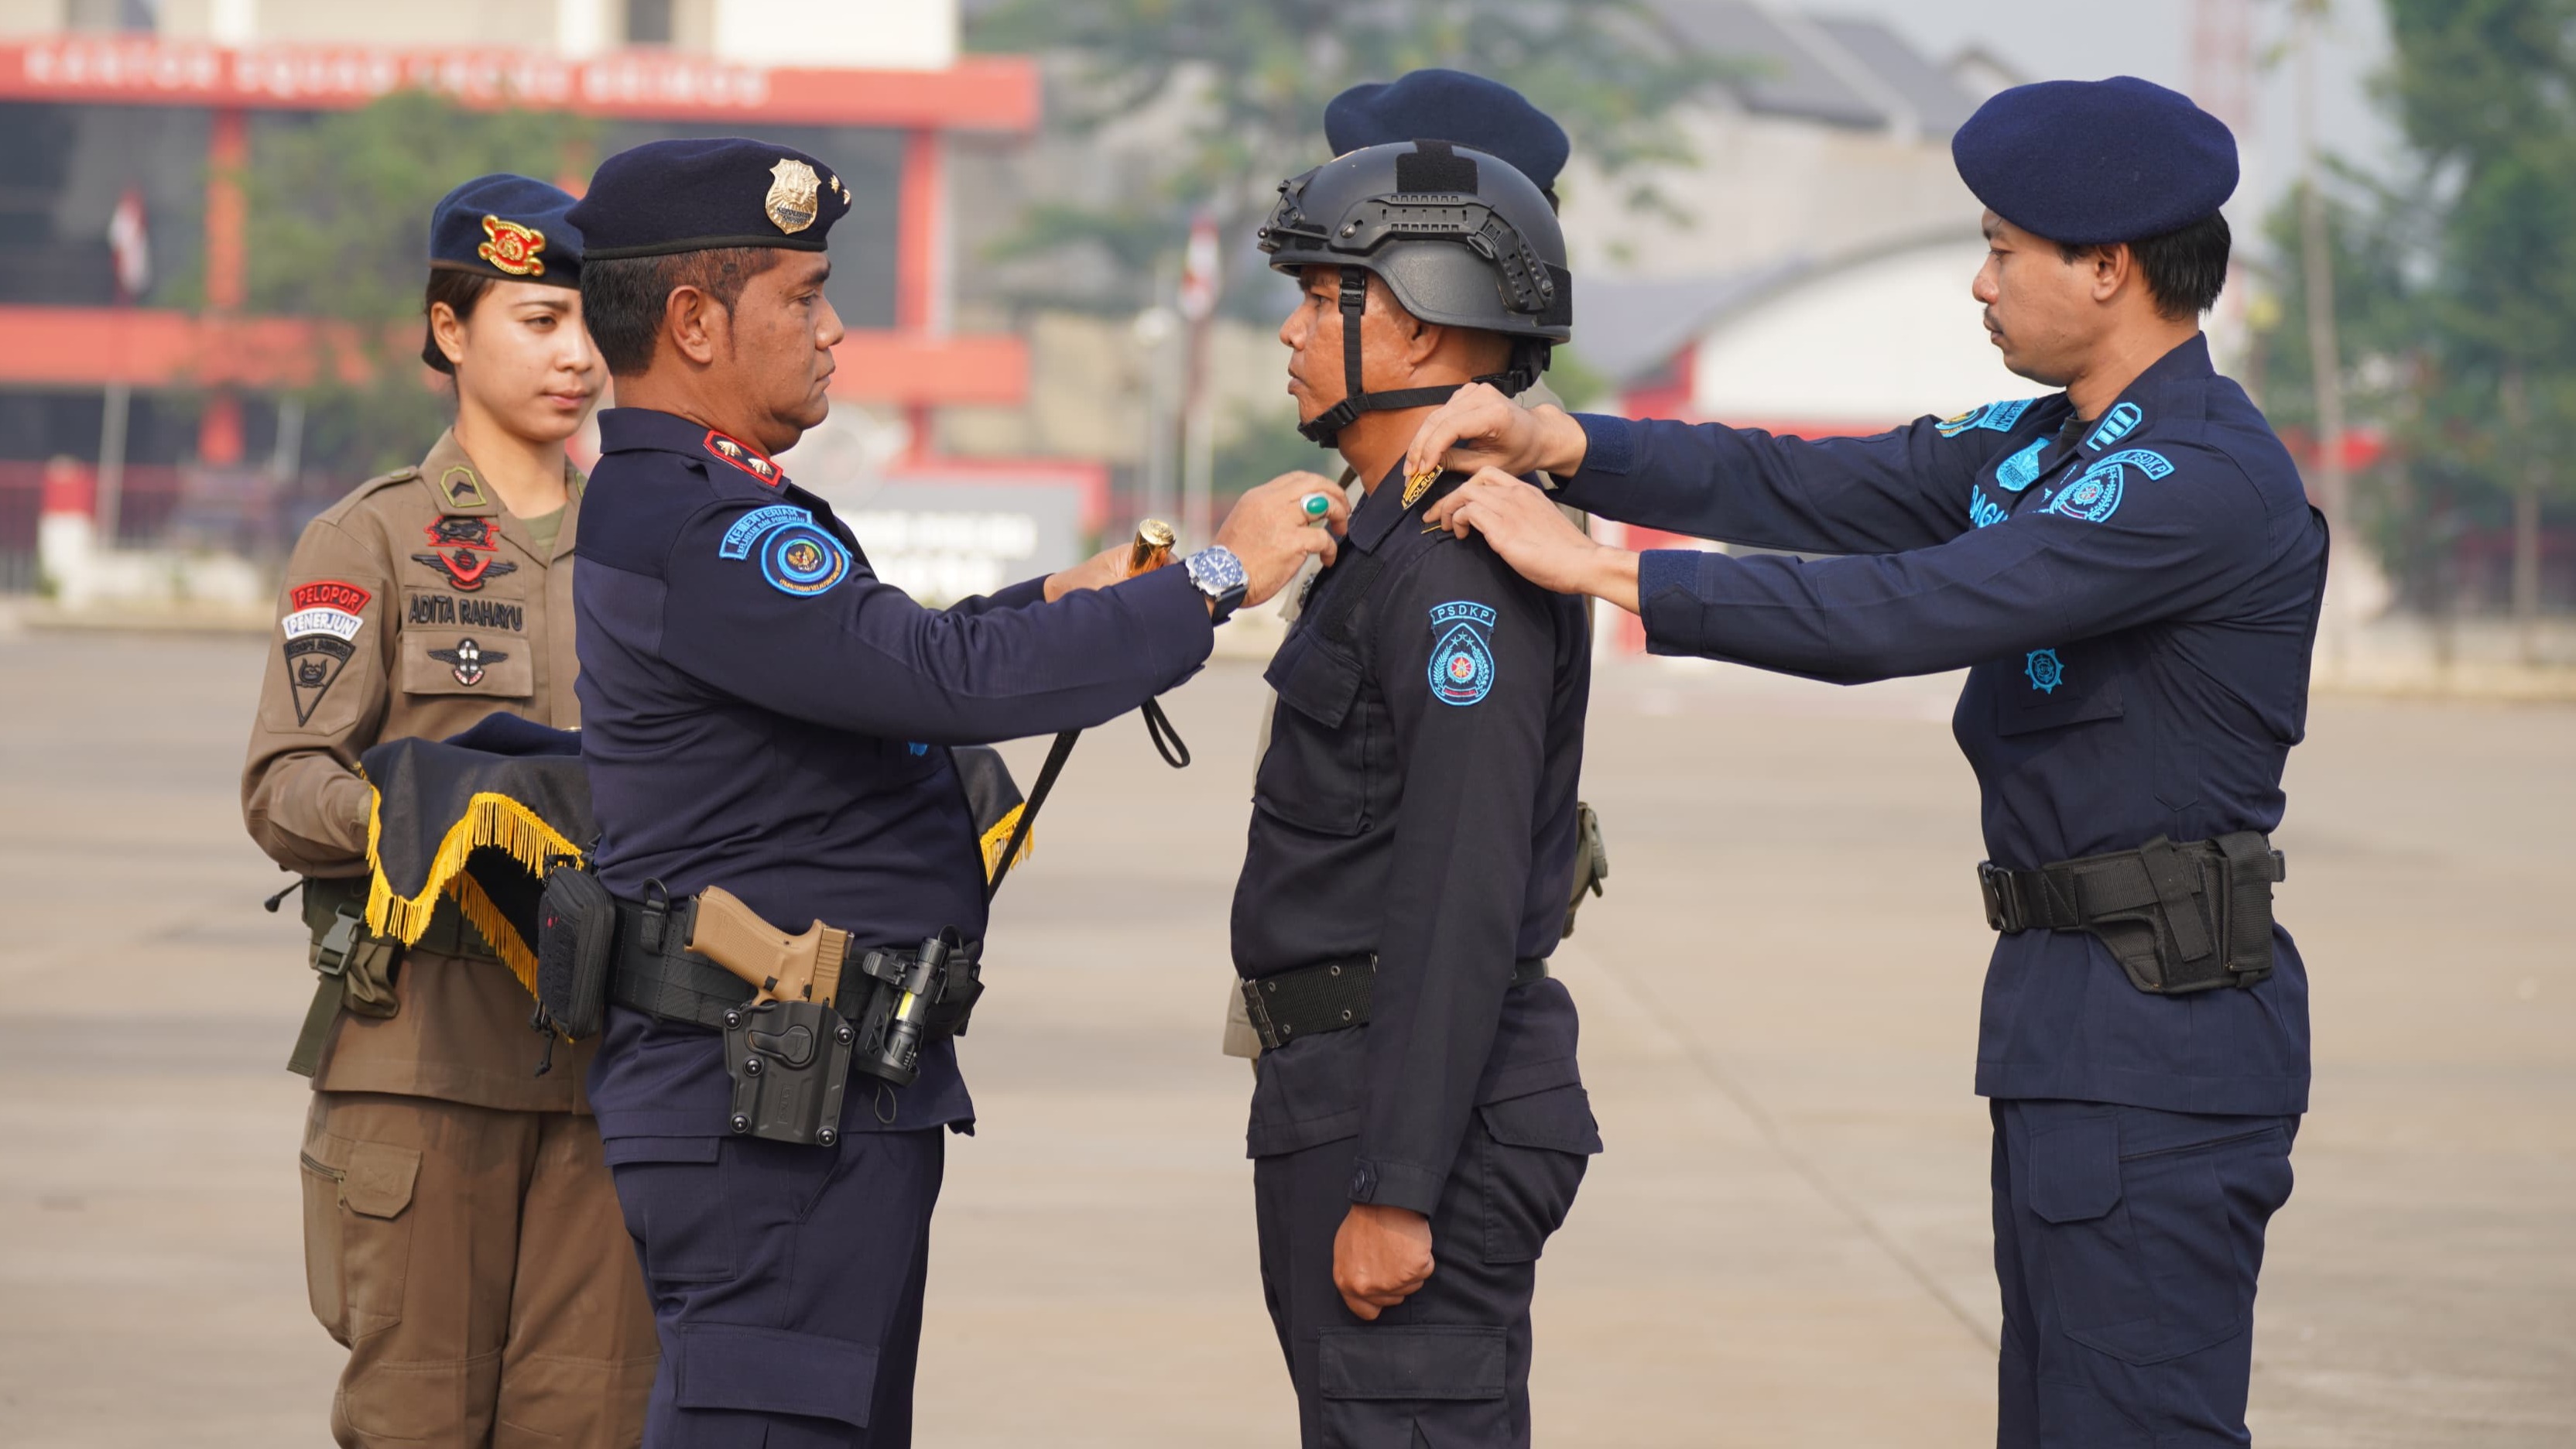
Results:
[792, 203]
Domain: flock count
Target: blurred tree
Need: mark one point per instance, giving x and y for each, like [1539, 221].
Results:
[1252, 82]
[338, 231]
[2486, 91]
[2455, 287]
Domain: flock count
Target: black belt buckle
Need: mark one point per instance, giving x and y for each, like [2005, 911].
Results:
[1272, 1038]
[1995, 884]
[789, 1062]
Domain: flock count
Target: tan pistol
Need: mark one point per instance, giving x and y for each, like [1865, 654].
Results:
[783, 967]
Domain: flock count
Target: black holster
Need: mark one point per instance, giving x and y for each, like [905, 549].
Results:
[2179, 918]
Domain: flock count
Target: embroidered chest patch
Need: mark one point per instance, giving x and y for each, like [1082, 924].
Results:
[465, 551]
[2096, 495]
[2044, 670]
[321, 627]
[1462, 659]
[797, 555]
[467, 659]
[2021, 470]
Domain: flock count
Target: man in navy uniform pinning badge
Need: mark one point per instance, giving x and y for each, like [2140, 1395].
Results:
[2130, 573]
[767, 728]
[1418, 1122]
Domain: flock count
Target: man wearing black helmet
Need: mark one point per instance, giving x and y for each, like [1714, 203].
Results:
[1419, 1124]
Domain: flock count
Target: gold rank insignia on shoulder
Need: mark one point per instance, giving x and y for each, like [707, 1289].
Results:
[1417, 484]
[513, 248]
[793, 194]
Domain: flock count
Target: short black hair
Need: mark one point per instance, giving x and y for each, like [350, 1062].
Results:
[460, 290]
[623, 300]
[2184, 268]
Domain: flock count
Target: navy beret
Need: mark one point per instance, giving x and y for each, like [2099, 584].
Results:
[699, 196]
[511, 227]
[2091, 162]
[1453, 106]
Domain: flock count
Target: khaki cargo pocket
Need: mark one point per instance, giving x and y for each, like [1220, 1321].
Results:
[1533, 1154]
[357, 1234]
[1444, 1385]
[771, 1371]
[2135, 1245]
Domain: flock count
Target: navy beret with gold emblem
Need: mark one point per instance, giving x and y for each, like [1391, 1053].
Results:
[697, 196]
[2088, 163]
[509, 227]
[1449, 105]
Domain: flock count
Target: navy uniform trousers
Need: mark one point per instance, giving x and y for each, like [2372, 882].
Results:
[786, 1282]
[1448, 1368]
[2127, 1241]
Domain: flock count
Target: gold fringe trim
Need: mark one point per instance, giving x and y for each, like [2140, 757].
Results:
[486, 917]
[489, 820]
[1000, 836]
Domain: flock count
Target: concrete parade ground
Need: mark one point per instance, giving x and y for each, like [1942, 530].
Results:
[1786, 1244]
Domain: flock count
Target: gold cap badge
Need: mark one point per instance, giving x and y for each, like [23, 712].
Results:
[513, 248]
[792, 195]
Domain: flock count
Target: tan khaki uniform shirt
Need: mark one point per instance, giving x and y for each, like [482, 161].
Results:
[382, 596]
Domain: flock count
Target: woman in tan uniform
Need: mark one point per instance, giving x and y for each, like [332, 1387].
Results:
[461, 1235]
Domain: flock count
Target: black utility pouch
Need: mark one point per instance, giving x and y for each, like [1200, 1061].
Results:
[789, 1061]
[576, 941]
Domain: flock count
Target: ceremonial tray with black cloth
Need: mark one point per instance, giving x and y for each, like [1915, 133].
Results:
[479, 817]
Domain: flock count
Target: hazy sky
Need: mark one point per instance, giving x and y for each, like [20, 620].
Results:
[2088, 39]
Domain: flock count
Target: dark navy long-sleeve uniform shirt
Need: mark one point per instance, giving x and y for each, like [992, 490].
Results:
[2135, 598]
[761, 712]
[1417, 803]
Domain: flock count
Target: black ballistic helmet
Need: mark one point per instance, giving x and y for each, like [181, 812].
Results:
[1460, 237]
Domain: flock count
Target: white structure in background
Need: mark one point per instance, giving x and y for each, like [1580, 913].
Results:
[1855, 344]
[80, 574]
[1831, 135]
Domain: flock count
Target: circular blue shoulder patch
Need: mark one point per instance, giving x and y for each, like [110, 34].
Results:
[803, 559]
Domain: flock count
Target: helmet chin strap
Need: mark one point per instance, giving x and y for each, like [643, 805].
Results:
[1328, 425]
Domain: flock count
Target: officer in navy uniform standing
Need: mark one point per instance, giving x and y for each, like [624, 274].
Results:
[2131, 574]
[1419, 1125]
[1467, 110]
[762, 714]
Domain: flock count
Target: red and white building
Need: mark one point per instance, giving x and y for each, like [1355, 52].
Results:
[104, 101]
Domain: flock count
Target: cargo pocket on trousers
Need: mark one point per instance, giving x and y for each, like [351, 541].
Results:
[357, 1234]
[1391, 1388]
[673, 1202]
[2136, 1250]
[771, 1371]
[1534, 1152]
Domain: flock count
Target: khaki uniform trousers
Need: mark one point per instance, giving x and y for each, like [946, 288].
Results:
[476, 1265]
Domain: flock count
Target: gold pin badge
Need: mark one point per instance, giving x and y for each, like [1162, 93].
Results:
[1417, 484]
[1153, 547]
[513, 248]
[792, 201]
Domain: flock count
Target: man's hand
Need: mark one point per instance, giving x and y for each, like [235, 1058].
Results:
[1270, 531]
[1536, 540]
[1478, 427]
[1096, 572]
[1380, 1257]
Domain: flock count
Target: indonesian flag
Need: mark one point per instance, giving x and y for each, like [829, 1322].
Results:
[131, 246]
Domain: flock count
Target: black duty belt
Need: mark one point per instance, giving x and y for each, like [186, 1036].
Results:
[1330, 996]
[656, 973]
[2180, 917]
